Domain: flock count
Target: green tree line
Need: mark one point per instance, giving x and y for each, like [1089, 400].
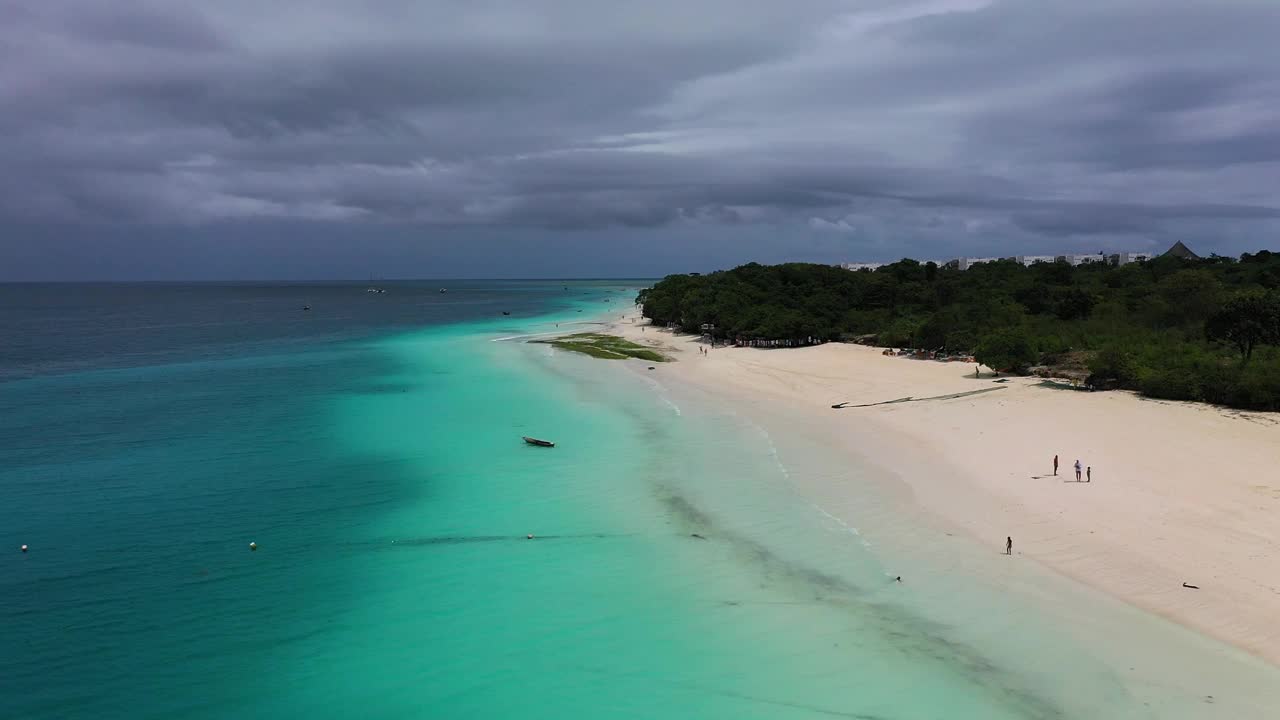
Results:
[1171, 327]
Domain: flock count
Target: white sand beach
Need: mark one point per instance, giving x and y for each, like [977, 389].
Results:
[1180, 493]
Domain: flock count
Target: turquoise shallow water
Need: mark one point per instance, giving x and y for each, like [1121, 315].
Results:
[379, 468]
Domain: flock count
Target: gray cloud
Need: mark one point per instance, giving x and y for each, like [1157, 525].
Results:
[886, 126]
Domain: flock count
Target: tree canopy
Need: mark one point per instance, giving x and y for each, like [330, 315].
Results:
[1169, 327]
[1247, 320]
[1007, 349]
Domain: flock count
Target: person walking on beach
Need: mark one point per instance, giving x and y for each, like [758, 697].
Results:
[1078, 471]
[1008, 546]
[1088, 474]
[1055, 465]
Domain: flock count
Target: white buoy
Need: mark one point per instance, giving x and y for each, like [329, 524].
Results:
[253, 546]
[24, 548]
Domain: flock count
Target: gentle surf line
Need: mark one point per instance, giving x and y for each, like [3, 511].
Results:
[846, 526]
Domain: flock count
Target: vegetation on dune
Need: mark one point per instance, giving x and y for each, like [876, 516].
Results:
[605, 347]
[1177, 328]
[1006, 348]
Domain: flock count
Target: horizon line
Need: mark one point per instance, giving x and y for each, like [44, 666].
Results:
[322, 280]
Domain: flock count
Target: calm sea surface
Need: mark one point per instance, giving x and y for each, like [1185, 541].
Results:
[371, 447]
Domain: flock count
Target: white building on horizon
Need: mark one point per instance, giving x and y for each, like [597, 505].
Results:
[1030, 260]
[964, 263]
[1124, 258]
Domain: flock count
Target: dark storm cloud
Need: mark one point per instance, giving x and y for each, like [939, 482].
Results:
[930, 121]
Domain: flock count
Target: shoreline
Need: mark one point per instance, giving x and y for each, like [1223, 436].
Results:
[1159, 511]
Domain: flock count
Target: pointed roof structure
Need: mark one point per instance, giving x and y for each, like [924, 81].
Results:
[1181, 251]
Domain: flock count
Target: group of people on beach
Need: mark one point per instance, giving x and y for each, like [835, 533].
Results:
[1088, 471]
[1081, 471]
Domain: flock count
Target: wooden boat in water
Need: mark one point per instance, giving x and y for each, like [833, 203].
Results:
[539, 443]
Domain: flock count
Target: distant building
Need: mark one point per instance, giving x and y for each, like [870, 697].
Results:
[964, 263]
[1030, 260]
[1181, 251]
[1124, 258]
[1080, 259]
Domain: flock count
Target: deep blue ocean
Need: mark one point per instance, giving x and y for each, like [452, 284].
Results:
[370, 447]
[150, 432]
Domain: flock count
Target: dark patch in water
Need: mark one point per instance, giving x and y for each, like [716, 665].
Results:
[468, 539]
[383, 388]
[696, 687]
[913, 635]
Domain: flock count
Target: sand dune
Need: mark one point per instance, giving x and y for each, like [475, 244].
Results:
[1181, 493]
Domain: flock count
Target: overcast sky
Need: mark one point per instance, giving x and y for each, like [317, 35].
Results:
[436, 138]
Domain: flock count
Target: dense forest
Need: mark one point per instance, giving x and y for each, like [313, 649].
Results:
[1171, 327]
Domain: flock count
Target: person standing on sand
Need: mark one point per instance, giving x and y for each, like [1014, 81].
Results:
[1055, 465]
[1077, 471]
[1008, 545]
[1088, 474]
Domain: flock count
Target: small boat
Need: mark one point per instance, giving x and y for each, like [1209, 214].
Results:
[306, 307]
[539, 443]
[504, 312]
[442, 291]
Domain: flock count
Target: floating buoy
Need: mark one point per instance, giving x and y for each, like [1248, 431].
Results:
[24, 548]
[253, 546]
